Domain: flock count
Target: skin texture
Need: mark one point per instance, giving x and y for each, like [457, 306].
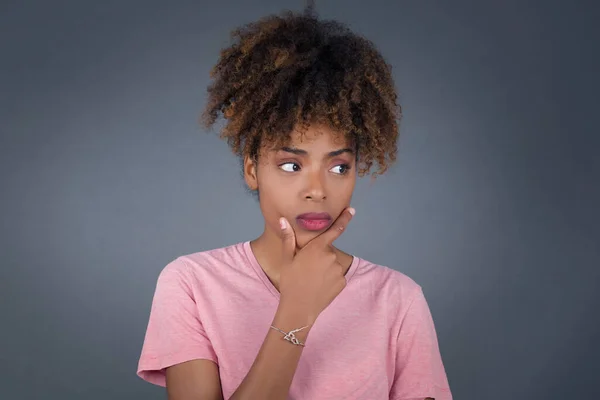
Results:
[295, 81]
[316, 172]
[291, 184]
[194, 380]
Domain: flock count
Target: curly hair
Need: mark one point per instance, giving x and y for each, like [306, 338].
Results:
[285, 72]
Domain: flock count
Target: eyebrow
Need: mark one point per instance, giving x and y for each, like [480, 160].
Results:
[331, 154]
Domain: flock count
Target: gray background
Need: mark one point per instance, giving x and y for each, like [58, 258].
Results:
[492, 207]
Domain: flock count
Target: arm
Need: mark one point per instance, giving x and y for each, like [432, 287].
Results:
[273, 369]
[177, 352]
[196, 379]
[269, 377]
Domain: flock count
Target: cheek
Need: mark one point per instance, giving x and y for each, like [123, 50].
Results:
[270, 184]
[272, 181]
[343, 193]
[274, 192]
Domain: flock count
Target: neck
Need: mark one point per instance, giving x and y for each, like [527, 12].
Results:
[267, 250]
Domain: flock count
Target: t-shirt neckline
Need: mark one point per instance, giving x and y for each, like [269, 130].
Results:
[267, 282]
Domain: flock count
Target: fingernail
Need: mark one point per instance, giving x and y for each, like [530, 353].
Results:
[352, 211]
[282, 223]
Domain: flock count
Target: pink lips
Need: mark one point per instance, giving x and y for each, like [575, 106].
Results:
[313, 221]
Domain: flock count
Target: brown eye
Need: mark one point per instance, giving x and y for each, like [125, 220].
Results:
[290, 167]
[340, 169]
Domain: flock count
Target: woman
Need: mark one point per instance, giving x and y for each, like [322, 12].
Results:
[309, 107]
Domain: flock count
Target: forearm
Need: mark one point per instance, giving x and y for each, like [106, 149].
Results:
[273, 369]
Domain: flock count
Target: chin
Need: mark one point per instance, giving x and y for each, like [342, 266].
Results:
[303, 237]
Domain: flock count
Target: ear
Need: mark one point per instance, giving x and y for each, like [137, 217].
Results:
[250, 175]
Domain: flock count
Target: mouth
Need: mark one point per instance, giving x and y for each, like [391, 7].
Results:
[313, 221]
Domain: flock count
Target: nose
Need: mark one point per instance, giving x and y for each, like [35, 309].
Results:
[315, 189]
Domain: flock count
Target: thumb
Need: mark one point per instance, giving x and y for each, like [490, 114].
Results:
[288, 241]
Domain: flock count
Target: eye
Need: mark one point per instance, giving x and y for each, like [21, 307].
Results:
[340, 169]
[290, 167]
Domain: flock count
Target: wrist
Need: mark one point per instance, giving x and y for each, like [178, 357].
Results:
[293, 316]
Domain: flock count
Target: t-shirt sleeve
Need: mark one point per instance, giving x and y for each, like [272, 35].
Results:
[419, 371]
[175, 333]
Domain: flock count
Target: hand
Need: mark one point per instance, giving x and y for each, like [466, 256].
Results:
[311, 278]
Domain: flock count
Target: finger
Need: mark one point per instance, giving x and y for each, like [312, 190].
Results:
[288, 240]
[339, 226]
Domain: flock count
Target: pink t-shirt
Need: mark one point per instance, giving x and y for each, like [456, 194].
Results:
[375, 341]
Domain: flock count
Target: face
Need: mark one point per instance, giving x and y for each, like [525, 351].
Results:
[309, 181]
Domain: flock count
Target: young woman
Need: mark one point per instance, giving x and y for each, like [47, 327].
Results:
[309, 106]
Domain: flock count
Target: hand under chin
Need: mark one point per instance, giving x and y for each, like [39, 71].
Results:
[304, 238]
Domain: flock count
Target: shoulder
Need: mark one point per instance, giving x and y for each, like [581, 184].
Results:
[390, 280]
[400, 296]
[203, 264]
[396, 292]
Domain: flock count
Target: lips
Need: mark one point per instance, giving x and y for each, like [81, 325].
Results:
[313, 221]
[313, 216]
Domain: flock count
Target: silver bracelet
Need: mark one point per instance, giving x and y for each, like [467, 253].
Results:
[290, 337]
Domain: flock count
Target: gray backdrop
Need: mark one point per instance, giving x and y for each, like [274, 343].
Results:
[492, 207]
